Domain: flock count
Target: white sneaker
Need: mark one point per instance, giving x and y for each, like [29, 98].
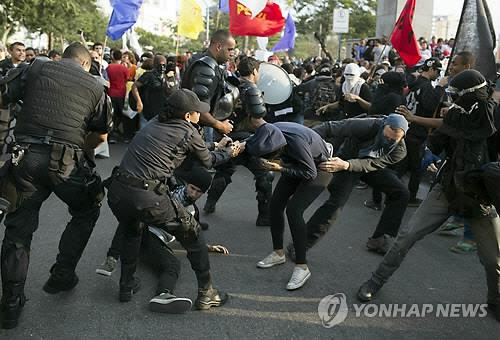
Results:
[299, 277]
[271, 260]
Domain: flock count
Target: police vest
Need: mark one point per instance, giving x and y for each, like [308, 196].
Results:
[59, 99]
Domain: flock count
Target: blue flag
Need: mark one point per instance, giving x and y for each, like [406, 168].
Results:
[124, 16]
[224, 6]
[287, 41]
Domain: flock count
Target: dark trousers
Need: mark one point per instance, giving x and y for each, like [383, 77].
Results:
[340, 188]
[32, 179]
[412, 163]
[157, 255]
[162, 260]
[296, 195]
[130, 126]
[263, 181]
[135, 208]
[433, 211]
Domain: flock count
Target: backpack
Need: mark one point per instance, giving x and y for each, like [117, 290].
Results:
[325, 93]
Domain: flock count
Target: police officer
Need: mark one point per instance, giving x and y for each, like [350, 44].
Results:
[462, 136]
[207, 79]
[251, 105]
[138, 192]
[65, 115]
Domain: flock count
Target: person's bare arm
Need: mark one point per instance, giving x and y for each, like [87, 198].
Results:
[432, 123]
[94, 139]
[207, 119]
[137, 97]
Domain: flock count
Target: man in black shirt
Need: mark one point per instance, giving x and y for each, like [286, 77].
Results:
[17, 56]
[423, 101]
[149, 89]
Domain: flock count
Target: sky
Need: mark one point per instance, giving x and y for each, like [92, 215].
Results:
[454, 7]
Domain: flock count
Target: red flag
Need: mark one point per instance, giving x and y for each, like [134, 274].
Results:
[403, 39]
[268, 22]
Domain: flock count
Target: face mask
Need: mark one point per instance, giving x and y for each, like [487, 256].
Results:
[161, 68]
[387, 143]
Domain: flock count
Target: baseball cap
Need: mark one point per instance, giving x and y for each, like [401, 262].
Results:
[267, 138]
[185, 100]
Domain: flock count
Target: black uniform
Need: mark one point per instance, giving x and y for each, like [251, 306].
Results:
[252, 105]
[138, 195]
[207, 79]
[62, 104]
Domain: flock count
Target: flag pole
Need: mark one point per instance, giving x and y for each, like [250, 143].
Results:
[372, 72]
[452, 54]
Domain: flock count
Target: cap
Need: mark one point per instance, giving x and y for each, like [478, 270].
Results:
[266, 139]
[186, 100]
[433, 62]
[396, 121]
[199, 177]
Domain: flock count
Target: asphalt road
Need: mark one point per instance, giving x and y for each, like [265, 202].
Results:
[259, 306]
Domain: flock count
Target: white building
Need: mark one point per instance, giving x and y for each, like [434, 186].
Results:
[444, 26]
[388, 12]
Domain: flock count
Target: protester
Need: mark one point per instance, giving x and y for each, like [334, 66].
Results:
[118, 75]
[30, 54]
[17, 57]
[462, 134]
[423, 101]
[301, 150]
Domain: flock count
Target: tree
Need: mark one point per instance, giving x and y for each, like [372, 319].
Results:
[10, 14]
[313, 14]
[59, 19]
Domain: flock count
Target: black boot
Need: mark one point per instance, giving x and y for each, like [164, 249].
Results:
[368, 290]
[264, 218]
[60, 280]
[12, 304]
[129, 284]
[214, 193]
[495, 310]
[11, 309]
[129, 288]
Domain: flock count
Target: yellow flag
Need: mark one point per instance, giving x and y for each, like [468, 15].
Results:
[190, 19]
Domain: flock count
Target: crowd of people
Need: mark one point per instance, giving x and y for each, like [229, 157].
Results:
[189, 121]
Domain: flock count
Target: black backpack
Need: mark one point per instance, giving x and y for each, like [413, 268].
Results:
[325, 93]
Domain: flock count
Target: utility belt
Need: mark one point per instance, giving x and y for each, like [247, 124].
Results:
[158, 186]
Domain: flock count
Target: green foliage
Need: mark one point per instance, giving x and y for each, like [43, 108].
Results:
[313, 15]
[159, 43]
[61, 19]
